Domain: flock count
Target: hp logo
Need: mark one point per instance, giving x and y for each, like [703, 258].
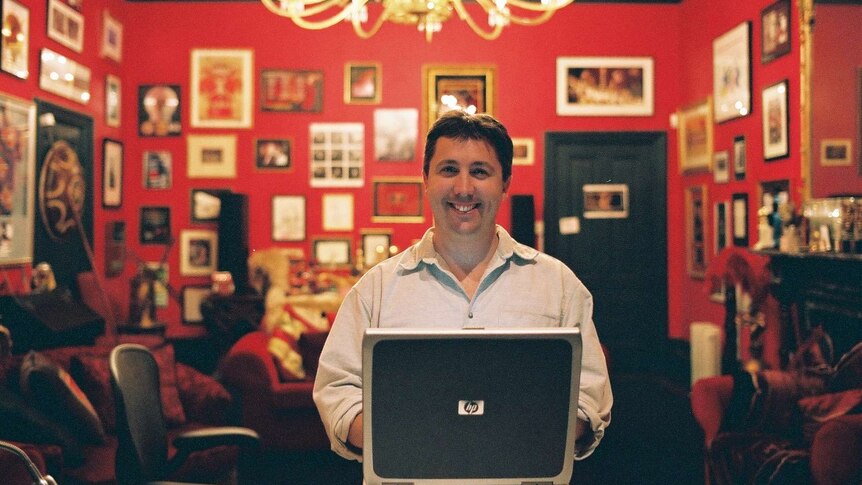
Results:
[471, 408]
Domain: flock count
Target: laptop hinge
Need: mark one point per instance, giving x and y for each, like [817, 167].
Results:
[537, 483]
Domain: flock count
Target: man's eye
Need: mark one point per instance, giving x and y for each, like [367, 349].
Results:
[448, 169]
[479, 172]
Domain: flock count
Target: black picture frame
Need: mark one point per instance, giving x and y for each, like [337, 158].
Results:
[159, 110]
[155, 225]
[739, 213]
[112, 173]
[775, 38]
[739, 157]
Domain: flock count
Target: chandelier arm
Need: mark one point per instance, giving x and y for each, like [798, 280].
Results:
[310, 9]
[465, 16]
[366, 34]
[538, 7]
[530, 21]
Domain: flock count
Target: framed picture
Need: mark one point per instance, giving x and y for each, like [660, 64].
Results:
[112, 37]
[721, 226]
[191, 298]
[524, 151]
[65, 25]
[398, 199]
[739, 212]
[606, 201]
[15, 45]
[113, 93]
[775, 32]
[158, 169]
[206, 204]
[604, 86]
[836, 152]
[337, 212]
[695, 137]
[362, 83]
[776, 121]
[18, 182]
[198, 252]
[337, 154]
[115, 248]
[739, 156]
[211, 156]
[721, 167]
[470, 88]
[331, 251]
[273, 154]
[288, 218]
[291, 90]
[112, 173]
[375, 245]
[695, 230]
[395, 134]
[731, 73]
[64, 77]
[159, 110]
[155, 225]
[221, 88]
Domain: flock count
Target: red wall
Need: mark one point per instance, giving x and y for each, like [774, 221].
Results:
[160, 35]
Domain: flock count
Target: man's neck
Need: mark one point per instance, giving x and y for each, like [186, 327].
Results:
[468, 257]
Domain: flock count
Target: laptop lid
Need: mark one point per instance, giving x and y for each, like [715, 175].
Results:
[490, 406]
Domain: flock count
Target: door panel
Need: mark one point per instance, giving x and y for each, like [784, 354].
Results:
[622, 261]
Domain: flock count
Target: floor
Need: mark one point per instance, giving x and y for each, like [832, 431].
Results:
[653, 439]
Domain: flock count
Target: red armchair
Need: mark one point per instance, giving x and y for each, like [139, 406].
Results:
[281, 412]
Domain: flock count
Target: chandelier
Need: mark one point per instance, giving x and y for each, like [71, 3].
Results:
[427, 15]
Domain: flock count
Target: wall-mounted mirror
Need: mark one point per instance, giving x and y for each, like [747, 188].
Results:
[832, 78]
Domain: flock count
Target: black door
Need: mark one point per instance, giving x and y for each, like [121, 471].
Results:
[605, 217]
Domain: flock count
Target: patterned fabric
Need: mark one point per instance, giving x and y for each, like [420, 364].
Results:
[750, 458]
[284, 340]
[204, 399]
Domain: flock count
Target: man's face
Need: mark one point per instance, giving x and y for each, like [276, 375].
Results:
[465, 186]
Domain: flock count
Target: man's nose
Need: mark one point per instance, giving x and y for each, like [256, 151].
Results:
[464, 185]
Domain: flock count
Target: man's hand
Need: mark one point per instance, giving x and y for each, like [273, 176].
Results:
[354, 435]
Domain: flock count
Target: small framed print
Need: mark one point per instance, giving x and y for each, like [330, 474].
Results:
[331, 251]
[15, 47]
[291, 90]
[721, 169]
[836, 152]
[65, 25]
[112, 37]
[362, 83]
[721, 226]
[395, 134]
[192, 297]
[112, 174]
[695, 220]
[198, 252]
[739, 213]
[211, 156]
[739, 156]
[155, 225]
[19, 181]
[469, 88]
[604, 86]
[695, 137]
[731, 73]
[375, 245]
[273, 153]
[775, 32]
[398, 199]
[159, 110]
[64, 77]
[206, 204]
[288, 218]
[113, 92]
[221, 88]
[524, 151]
[158, 169]
[337, 212]
[606, 201]
[337, 154]
[775, 121]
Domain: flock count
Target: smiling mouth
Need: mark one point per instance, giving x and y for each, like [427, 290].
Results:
[463, 208]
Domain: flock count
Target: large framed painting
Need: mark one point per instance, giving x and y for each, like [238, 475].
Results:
[221, 88]
[694, 134]
[15, 47]
[605, 86]
[63, 232]
[731, 73]
[469, 88]
[17, 180]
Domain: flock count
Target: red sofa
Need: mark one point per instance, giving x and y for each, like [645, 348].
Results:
[58, 447]
[282, 412]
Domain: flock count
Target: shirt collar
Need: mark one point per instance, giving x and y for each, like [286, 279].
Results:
[424, 252]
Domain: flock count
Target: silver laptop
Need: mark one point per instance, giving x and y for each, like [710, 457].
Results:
[478, 407]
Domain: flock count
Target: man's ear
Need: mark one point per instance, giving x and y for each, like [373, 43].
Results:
[506, 186]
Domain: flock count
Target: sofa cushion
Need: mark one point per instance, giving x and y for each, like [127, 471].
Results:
[204, 399]
[817, 410]
[53, 391]
[310, 346]
[283, 342]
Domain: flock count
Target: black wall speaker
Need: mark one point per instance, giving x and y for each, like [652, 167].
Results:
[47, 320]
[233, 239]
[524, 220]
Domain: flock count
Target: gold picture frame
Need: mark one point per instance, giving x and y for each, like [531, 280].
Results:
[362, 82]
[214, 107]
[211, 156]
[695, 137]
[471, 88]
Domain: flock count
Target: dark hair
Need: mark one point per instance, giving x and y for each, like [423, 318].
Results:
[459, 125]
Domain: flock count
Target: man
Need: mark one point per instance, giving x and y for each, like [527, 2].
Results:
[465, 272]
